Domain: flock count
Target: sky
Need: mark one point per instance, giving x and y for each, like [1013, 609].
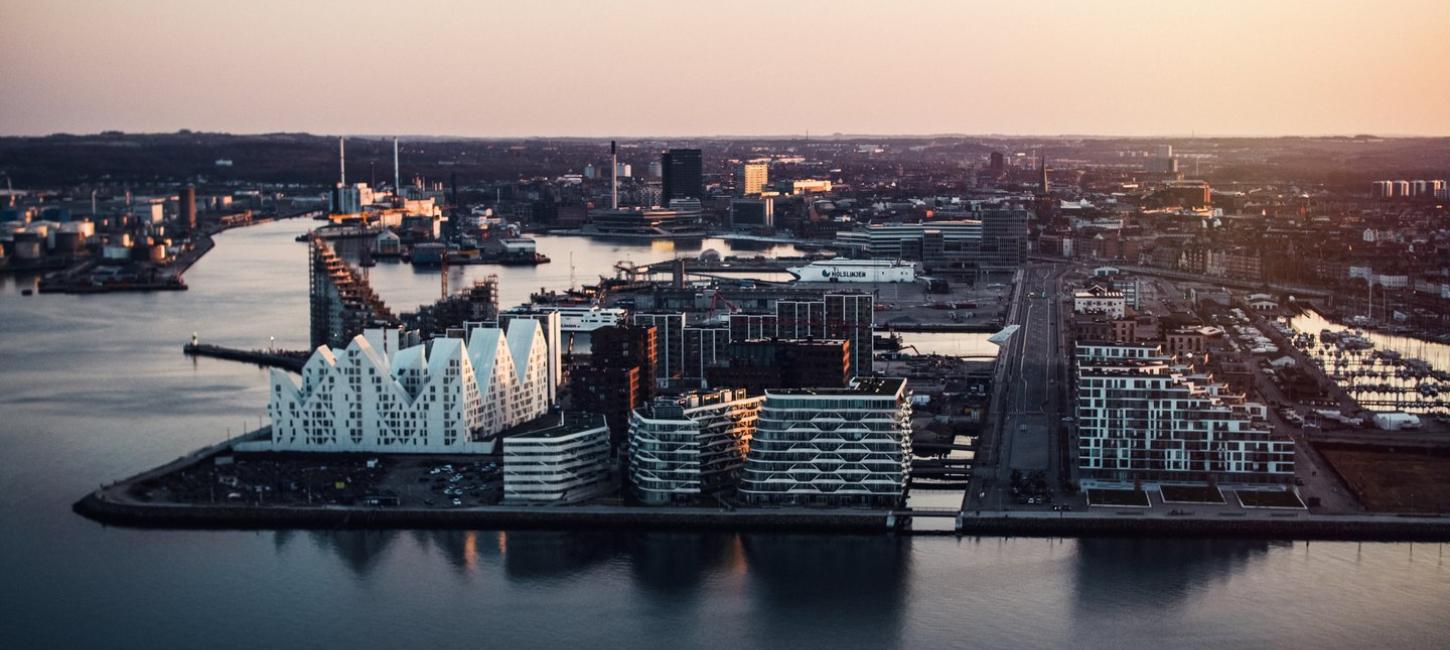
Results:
[744, 67]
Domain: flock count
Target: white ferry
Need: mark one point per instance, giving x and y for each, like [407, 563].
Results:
[856, 271]
[585, 318]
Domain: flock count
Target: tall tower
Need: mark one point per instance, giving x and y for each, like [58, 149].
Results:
[1042, 170]
[341, 161]
[397, 187]
[613, 176]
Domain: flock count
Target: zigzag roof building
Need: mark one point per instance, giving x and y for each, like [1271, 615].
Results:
[444, 397]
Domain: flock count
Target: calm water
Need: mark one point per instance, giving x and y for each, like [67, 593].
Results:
[95, 388]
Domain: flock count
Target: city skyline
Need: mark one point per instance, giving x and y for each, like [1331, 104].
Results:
[642, 69]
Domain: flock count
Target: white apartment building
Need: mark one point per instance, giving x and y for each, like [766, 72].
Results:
[558, 458]
[686, 448]
[1143, 416]
[838, 447]
[1098, 299]
[444, 397]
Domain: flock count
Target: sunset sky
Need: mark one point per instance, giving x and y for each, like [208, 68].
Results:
[597, 68]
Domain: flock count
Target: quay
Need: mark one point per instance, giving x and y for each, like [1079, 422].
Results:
[121, 504]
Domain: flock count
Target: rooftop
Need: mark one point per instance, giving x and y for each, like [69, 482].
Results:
[875, 386]
[556, 424]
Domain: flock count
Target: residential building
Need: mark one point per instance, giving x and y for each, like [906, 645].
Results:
[690, 447]
[670, 334]
[558, 458]
[444, 397]
[753, 177]
[760, 364]
[832, 446]
[619, 376]
[1142, 415]
[852, 317]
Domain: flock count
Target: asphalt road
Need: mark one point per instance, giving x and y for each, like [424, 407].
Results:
[1030, 398]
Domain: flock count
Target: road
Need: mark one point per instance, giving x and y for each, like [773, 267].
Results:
[1029, 394]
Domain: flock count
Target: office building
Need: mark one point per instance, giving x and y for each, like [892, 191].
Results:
[689, 448]
[997, 164]
[558, 458]
[1004, 240]
[753, 178]
[1141, 415]
[753, 214]
[444, 397]
[1099, 299]
[683, 175]
[935, 243]
[831, 446]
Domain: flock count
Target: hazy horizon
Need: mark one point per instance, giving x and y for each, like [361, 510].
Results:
[649, 69]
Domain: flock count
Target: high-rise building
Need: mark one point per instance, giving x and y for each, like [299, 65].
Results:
[704, 348]
[1004, 239]
[670, 331]
[187, 208]
[852, 317]
[756, 214]
[760, 364]
[745, 326]
[837, 447]
[800, 319]
[997, 164]
[683, 175]
[619, 377]
[444, 397]
[753, 177]
[1143, 415]
[342, 303]
[558, 458]
[690, 447]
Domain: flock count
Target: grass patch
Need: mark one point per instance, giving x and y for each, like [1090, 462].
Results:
[1191, 494]
[1105, 497]
[1401, 480]
[1270, 500]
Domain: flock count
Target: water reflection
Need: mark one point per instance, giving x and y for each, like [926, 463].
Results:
[1116, 574]
[826, 591]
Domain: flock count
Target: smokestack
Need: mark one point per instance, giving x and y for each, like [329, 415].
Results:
[341, 162]
[613, 176]
[397, 187]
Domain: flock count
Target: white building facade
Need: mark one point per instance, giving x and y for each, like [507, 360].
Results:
[681, 450]
[1143, 416]
[445, 397]
[558, 460]
[1098, 299]
[834, 447]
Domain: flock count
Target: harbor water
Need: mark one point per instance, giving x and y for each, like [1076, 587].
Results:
[95, 388]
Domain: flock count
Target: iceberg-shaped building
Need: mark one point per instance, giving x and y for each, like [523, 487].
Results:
[449, 397]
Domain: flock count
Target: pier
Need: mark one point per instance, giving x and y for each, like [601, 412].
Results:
[285, 359]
